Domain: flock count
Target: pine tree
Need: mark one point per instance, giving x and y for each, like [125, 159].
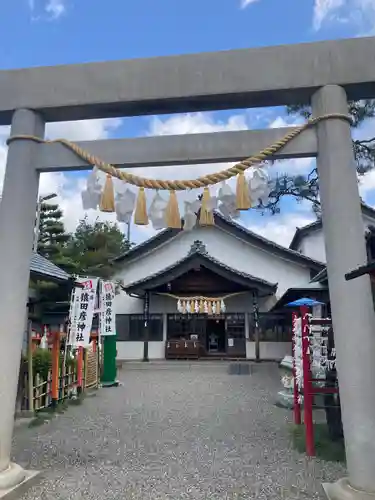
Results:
[306, 187]
[93, 246]
[53, 238]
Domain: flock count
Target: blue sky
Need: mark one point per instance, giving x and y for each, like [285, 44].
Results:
[50, 32]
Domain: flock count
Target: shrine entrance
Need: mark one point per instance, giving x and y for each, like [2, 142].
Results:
[216, 337]
[323, 75]
[206, 304]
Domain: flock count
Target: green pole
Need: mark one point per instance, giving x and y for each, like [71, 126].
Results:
[109, 375]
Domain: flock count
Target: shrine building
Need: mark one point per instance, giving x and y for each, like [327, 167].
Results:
[217, 291]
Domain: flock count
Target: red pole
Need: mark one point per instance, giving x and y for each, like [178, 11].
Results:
[307, 385]
[296, 405]
[55, 368]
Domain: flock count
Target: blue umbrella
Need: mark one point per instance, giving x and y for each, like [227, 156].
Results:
[304, 302]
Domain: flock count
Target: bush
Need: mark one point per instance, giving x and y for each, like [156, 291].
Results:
[42, 362]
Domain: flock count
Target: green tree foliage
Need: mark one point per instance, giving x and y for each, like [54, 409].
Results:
[93, 246]
[53, 238]
[306, 187]
[87, 252]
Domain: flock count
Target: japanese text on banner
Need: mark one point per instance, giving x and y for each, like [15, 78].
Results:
[107, 318]
[82, 312]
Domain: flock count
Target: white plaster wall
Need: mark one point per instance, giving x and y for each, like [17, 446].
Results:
[226, 248]
[229, 250]
[312, 244]
[133, 351]
[269, 351]
[274, 350]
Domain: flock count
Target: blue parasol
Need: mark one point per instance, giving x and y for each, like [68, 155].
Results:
[304, 302]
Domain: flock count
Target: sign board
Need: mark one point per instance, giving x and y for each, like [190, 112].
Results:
[82, 312]
[107, 315]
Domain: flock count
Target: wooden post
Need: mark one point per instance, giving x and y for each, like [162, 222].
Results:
[296, 404]
[55, 368]
[256, 327]
[37, 392]
[307, 389]
[30, 375]
[80, 370]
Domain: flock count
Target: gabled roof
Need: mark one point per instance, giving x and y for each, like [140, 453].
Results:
[42, 268]
[232, 227]
[301, 232]
[315, 289]
[321, 277]
[198, 255]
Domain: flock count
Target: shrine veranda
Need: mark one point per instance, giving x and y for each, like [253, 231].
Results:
[325, 74]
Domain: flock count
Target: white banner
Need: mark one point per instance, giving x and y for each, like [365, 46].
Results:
[107, 316]
[82, 312]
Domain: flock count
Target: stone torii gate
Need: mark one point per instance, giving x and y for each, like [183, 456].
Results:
[323, 74]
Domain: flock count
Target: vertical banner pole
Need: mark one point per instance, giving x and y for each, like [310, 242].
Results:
[296, 403]
[307, 392]
[30, 365]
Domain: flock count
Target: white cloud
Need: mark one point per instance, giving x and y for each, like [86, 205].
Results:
[195, 123]
[55, 8]
[69, 187]
[246, 3]
[324, 9]
[281, 228]
[66, 186]
[367, 184]
[47, 9]
[358, 13]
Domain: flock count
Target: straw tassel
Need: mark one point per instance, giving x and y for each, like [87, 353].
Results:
[107, 200]
[243, 201]
[140, 215]
[201, 306]
[172, 214]
[206, 216]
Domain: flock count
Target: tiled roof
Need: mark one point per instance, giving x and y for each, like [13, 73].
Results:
[42, 267]
[301, 232]
[199, 250]
[320, 277]
[230, 226]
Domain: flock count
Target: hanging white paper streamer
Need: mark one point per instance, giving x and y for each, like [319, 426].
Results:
[190, 219]
[297, 339]
[91, 195]
[125, 202]
[259, 184]
[156, 212]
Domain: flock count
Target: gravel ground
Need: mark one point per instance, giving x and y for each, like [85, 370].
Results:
[180, 432]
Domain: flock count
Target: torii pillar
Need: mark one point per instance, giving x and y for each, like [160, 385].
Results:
[351, 301]
[17, 220]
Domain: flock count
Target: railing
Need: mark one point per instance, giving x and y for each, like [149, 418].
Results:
[68, 383]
